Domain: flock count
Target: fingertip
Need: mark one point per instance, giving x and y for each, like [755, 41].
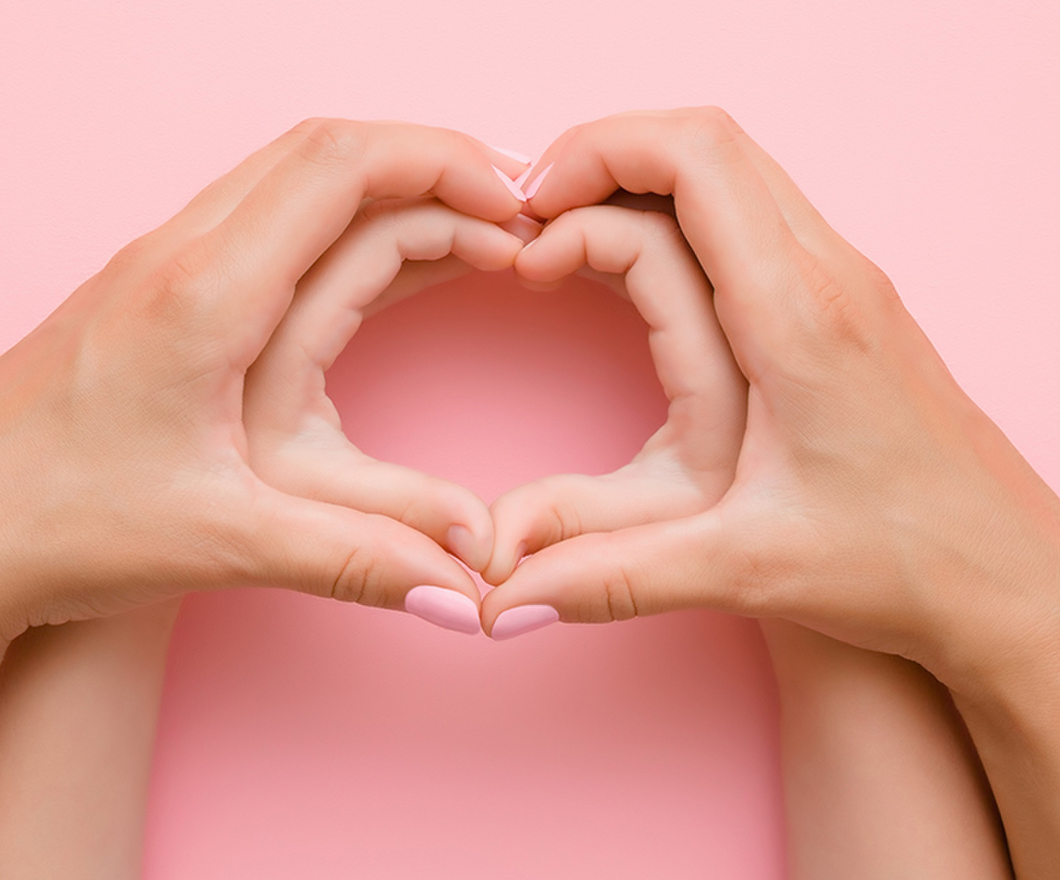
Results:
[473, 547]
[444, 608]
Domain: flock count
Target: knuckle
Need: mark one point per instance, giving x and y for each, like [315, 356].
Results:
[186, 275]
[565, 521]
[708, 129]
[661, 227]
[358, 580]
[180, 287]
[132, 256]
[619, 593]
[837, 315]
[331, 142]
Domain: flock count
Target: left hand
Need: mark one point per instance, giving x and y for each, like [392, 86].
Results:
[689, 463]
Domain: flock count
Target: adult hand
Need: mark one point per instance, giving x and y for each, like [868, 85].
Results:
[872, 500]
[125, 462]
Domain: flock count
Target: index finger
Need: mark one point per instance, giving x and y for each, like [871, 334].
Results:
[724, 205]
[247, 266]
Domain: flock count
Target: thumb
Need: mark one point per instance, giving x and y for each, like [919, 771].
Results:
[328, 550]
[697, 561]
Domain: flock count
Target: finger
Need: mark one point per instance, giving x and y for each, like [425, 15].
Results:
[725, 207]
[354, 557]
[333, 295]
[297, 441]
[220, 197]
[245, 269]
[336, 472]
[602, 577]
[662, 278]
[689, 463]
[561, 507]
[417, 275]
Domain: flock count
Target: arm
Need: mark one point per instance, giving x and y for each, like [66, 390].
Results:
[78, 707]
[880, 779]
[873, 501]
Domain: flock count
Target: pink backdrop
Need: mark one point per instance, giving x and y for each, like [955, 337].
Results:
[299, 738]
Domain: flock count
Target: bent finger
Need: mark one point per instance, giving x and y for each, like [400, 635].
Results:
[245, 269]
[331, 551]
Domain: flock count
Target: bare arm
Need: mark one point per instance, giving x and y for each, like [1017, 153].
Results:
[78, 708]
[880, 778]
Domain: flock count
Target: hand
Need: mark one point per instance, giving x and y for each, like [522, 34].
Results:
[872, 500]
[688, 464]
[125, 473]
[296, 443]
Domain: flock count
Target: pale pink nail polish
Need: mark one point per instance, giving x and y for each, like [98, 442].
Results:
[536, 185]
[508, 182]
[520, 181]
[526, 618]
[512, 154]
[445, 608]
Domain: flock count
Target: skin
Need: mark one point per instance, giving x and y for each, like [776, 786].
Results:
[104, 677]
[79, 701]
[142, 501]
[872, 501]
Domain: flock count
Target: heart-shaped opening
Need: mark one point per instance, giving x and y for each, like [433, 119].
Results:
[488, 384]
[464, 745]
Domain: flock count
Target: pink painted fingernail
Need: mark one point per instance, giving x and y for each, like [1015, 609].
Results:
[526, 618]
[508, 182]
[512, 154]
[522, 179]
[536, 185]
[445, 608]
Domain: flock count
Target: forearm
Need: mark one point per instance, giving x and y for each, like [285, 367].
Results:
[879, 777]
[78, 708]
[1015, 725]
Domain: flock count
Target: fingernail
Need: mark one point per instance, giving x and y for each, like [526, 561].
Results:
[508, 182]
[512, 154]
[520, 181]
[526, 618]
[445, 608]
[462, 542]
[536, 185]
[522, 227]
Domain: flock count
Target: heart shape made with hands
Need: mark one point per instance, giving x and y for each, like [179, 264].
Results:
[394, 249]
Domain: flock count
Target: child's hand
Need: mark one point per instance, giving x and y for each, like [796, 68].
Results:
[295, 438]
[688, 464]
[124, 467]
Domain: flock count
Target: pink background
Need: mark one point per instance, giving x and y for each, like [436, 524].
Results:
[300, 738]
